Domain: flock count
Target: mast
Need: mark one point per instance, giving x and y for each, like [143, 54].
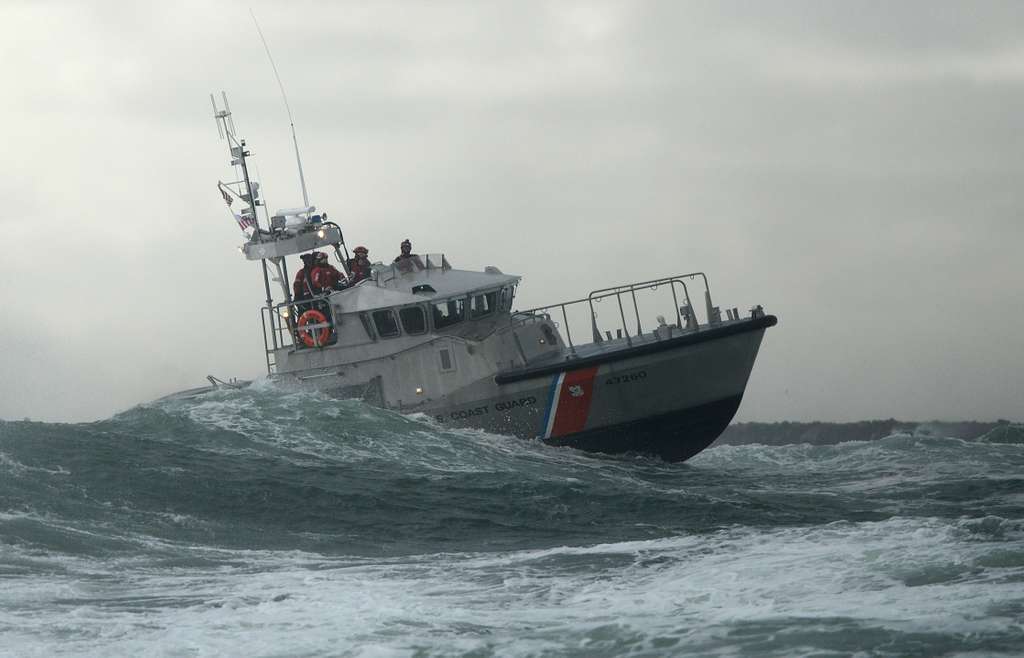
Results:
[289, 231]
[226, 129]
[249, 197]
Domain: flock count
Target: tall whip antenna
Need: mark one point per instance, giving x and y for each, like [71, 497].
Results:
[295, 141]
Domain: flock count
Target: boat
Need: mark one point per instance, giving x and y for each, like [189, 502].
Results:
[421, 336]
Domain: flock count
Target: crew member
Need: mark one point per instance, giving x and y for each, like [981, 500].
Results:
[406, 251]
[302, 287]
[325, 276]
[359, 267]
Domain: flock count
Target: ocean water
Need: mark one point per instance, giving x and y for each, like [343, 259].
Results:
[263, 522]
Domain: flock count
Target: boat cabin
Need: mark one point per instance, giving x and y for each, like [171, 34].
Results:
[401, 306]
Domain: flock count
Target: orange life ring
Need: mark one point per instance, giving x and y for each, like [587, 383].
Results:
[313, 316]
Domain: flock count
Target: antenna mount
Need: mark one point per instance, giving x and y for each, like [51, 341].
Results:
[225, 125]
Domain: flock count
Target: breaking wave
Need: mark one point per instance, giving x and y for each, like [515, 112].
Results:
[263, 521]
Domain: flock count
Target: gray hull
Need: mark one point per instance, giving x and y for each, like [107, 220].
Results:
[670, 398]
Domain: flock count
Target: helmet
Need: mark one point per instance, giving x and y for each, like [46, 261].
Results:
[320, 256]
[361, 250]
[406, 243]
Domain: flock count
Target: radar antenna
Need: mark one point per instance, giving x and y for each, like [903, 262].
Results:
[287, 107]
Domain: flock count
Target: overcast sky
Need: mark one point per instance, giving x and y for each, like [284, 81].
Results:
[855, 167]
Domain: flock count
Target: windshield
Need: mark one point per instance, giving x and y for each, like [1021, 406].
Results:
[449, 312]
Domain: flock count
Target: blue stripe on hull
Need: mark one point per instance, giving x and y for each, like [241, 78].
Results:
[552, 392]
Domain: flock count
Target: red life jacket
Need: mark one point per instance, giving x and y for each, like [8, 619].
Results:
[325, 277]
[359, 271]
[299, 287]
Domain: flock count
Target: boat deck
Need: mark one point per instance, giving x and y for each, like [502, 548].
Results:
[607, 351]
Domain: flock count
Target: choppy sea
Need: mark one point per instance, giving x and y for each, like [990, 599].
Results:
[262, 522]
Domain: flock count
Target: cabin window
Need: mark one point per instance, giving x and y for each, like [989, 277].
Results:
[449, 312]
[413, 320]
[385, 322]
[549, 334]
[367, 326]
[481, 305]
[507, 295]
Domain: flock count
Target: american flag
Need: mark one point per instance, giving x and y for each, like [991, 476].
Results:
[244, 221]
[247, 219]
[224, 193]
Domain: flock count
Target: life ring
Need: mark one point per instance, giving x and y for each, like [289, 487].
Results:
[314, 317]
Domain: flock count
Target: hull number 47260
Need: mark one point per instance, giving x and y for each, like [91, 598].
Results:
[626, 379]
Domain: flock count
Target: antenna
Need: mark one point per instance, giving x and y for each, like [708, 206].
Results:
[222, 117]
[216, 116]
[227, 109]
[295, 141]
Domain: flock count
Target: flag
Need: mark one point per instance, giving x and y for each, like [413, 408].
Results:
[244, 221]
[247, 219]
[224, 193]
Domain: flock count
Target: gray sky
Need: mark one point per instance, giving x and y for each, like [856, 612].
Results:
[855, 167]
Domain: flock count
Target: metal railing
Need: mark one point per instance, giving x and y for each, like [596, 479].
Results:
[419, 262]
[617, 292]
[279, 324]
[279, 320]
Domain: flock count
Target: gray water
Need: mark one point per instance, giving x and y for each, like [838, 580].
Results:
[263, 522]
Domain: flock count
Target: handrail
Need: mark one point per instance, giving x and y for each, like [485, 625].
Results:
[283, 324]
[420, 263]
[617, 292]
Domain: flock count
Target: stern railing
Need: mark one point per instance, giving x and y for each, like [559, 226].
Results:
[279, 324]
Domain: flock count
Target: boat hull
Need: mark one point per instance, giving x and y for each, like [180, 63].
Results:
[675, 436]
[670, 398]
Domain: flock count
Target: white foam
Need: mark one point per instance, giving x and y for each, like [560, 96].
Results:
[17, 467]
[695, 588]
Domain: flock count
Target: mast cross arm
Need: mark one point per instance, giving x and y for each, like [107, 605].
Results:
[287, 245]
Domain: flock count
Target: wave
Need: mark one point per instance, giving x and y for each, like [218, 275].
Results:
[264, 521]
[905, 586]
[269, 468]
[818, 433]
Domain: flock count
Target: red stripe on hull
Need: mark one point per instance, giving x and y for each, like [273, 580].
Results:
[574, 402]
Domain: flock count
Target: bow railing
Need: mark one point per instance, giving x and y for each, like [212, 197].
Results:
[629, 314]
